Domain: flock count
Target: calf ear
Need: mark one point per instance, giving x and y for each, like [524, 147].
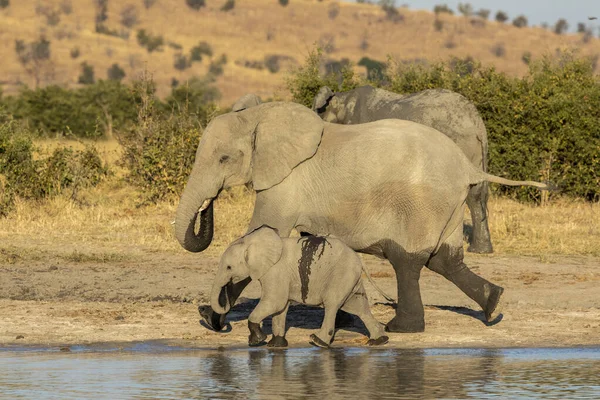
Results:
[263, 250]
[322, 98]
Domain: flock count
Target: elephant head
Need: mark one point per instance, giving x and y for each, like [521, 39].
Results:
[260, 146]
[246, 101]
[337, 107]
[252, 255]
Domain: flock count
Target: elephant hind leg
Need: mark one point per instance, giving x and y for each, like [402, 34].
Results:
[448, 262]
[477, 199]
[410, 316]
[358, 304]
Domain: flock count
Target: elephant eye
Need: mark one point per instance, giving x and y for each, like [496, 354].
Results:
[223, 159]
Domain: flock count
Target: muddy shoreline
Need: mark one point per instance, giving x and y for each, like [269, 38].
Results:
[56, 303]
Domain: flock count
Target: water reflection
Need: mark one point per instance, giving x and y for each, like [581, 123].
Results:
[302, 373]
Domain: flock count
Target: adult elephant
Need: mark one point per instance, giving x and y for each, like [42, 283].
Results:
[395, 189]
[443, 110]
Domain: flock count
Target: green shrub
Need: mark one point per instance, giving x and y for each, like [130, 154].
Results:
[159, 150]
[520, 21]
[442, 8]
[86, 112]
[199, 50]
[501, 17]
[229, 5]
[195, 4]
[4, 3]
[115, 73]
[87, 74]
[35, 178]
[149, 41]
[305, 81]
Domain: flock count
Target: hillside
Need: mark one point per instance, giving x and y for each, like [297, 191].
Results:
[248, 33]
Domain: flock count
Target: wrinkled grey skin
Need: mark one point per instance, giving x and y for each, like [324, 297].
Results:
[392, 188]
[246, 101]
[309, 270]
[443, 110]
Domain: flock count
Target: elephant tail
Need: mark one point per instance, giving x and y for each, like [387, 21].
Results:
[509, 182]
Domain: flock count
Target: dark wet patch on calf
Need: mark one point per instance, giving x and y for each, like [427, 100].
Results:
[310, 247]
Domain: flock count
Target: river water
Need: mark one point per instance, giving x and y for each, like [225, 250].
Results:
[155, 370]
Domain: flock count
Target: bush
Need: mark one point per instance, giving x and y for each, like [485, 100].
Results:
[581, 28]
[216, 67]
[129, 16]
[501, 17]
[75, 53]
[391, 12]
[483, 13]
[499, 50]
[4, 3]
[87, 112]
[229, 5]
[159, 151]
[561, 26]
[284, 3]
[305, 81]
[543, 126]
[150, 42]
[36, 178]
[66, 6]
[201, 49]
[520, 21]
[195, 4]
[181, 62]
[438, 25]
[333, 11]
[87, 74]
[526, 57]
[465, 9]
[115, 73]
[149, 3]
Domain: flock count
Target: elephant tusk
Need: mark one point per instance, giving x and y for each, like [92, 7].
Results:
[204, 205]
[173, 222]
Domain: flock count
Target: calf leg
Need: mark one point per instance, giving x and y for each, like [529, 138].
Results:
[358, 305]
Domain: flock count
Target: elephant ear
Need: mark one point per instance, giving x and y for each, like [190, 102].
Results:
[246, 101]
[263, 250]
[322, 98]
[286, 135]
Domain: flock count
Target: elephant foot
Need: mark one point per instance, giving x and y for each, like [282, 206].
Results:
[315, 341]
[257, 336]
[481, 248]
[215, 321]
[344, 319]
[378, 342]
[402, 325]
[277, 341]
[493, 307]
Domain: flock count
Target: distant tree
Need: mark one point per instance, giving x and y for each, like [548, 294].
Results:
[66, 6]
[115, 73]
[229, 5]
[101, 11]
[483, 13]
[581, 27]
[195, 4]
[4, 3]
[284, 3]
[35, 57]
[333, 11]
[149, 3]
[75, 52]
[499, 50]
[181, 62]
[149, 41]
[442, 8]
[199, 50]
[129, 15]
[438, 25]
[375, 69]
[216, 67]
[501, 17]
[465, 9]
[561, 26]
[391, 12]
[520, 21]
[87, 74]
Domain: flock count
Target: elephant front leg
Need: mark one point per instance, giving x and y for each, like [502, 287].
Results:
[270, 303]
[477, 203]
[410, 317]
[214, 320]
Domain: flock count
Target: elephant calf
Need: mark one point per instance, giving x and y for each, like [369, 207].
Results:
[311, 270]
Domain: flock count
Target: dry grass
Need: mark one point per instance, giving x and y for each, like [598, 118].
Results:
[105, 224]
[242, 35]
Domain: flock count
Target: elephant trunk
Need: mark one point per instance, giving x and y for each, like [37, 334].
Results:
[219, 299]
[193, 204]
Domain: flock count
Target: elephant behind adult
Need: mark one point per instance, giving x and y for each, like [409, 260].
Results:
[391, 188]
[443, 110]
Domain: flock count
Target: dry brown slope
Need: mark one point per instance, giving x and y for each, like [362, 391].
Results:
[242, 34]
